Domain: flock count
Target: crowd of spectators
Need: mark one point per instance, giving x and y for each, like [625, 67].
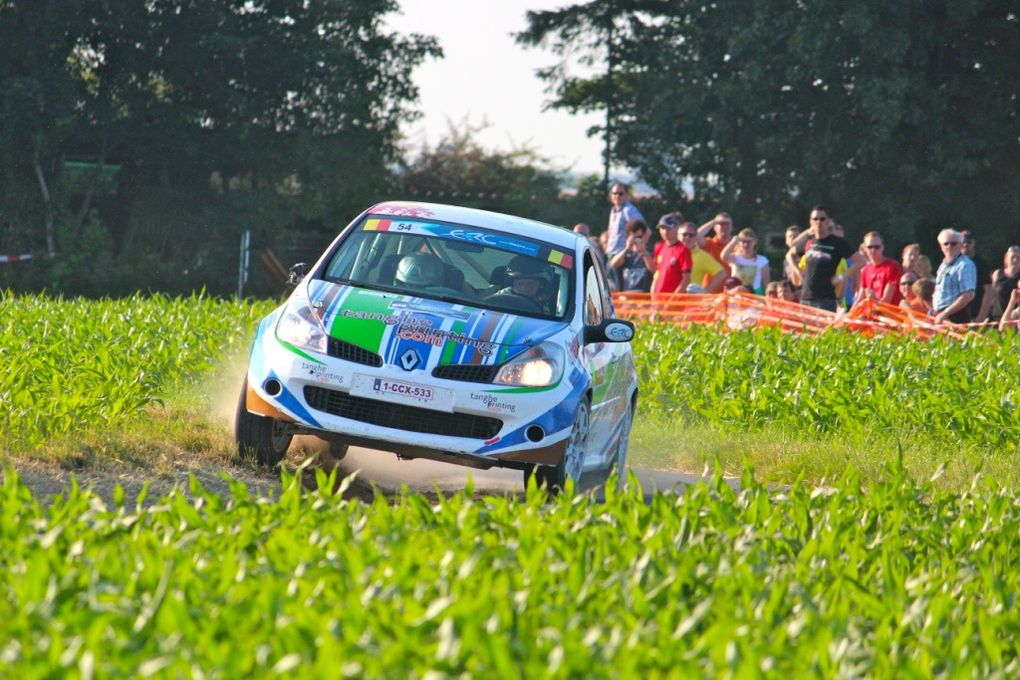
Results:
[821, 267]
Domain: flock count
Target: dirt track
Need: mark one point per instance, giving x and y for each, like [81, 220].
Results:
[377, 472]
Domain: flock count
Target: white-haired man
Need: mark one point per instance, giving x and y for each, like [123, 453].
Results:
[955, 281]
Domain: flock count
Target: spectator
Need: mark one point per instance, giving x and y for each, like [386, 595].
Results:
[924, 291]
[706, 273]
[672, 258]
[1011, 316]
[821, 261]
[635, 263]
[906, 283]
[745, 263]
[781, 290]
[735, 285]
[623, 211]
[792, 232]
[713, 245]
[956, 281]
[909, 256]
[1004, 281]
[880, 277]
[584, 230]
[923, 267]
[982, 302]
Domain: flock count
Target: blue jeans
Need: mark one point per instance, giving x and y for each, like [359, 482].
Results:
[828, 304]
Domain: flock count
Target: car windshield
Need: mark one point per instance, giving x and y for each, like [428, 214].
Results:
[461, 264]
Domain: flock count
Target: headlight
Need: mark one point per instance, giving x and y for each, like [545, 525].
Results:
[540, 366]
[300, 327]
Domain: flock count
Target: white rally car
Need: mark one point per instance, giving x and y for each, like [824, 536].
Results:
[448, 333]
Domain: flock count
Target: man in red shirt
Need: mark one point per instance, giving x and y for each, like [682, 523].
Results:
[672, 258]
[880, 277]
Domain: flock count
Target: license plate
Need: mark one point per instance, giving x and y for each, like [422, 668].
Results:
[402, 392]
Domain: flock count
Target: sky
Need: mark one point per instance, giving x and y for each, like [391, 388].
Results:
[485, 77]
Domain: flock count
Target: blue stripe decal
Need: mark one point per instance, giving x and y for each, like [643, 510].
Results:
[552, 421]
[291, 403]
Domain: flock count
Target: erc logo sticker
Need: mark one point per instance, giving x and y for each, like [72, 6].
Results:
[409, 359]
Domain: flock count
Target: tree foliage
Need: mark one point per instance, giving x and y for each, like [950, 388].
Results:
[902, 115]
[218, 116]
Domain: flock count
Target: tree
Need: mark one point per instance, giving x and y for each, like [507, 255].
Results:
[458, 170]
[294, 105]
[593, 31]
[903, 116]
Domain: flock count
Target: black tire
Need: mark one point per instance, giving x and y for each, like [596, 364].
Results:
[259, 438]
[337, 450]
[554, 477]
[619, 462]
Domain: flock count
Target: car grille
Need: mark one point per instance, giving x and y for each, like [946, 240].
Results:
[466, 372]
[401, 417]
[350, 352]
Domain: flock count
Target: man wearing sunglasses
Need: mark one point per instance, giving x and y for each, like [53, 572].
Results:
[822, 259]
[622, 212]
[955, 281]
[880, 278]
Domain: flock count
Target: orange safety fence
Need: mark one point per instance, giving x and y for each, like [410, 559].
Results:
[737, 310]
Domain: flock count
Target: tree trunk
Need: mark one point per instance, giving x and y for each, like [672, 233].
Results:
[86, 202]
[51, 247]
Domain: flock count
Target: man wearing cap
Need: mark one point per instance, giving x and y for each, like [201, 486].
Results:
[672, 258]
[955, 281]
[982, 302]
[880, 277]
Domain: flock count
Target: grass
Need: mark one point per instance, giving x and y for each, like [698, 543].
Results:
[780, 455]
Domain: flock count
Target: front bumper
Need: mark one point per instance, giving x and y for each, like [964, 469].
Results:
[476, 424]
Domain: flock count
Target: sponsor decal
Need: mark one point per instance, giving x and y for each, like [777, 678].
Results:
[388, 319]
[484, 238]
[437, 337]
[322, 373]
[618, 331]
[494, 404]
[402, 210]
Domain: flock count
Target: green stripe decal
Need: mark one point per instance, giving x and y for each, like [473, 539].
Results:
[449, 347]
[301, 353]
[366, 333]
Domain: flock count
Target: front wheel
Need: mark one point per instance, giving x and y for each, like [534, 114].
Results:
[260, 438]
[555, 477]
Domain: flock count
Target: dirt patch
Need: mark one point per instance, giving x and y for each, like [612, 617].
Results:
[47, 481]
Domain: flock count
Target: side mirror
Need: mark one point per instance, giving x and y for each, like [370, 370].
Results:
[296, 273]
[610, 330]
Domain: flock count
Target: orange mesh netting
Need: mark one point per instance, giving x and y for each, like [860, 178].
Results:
[735, 310]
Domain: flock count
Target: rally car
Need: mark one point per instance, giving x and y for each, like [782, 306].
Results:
[448, 333]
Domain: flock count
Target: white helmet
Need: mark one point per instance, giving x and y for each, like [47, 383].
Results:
[420, 269]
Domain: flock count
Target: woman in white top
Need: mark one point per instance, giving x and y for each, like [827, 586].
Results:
[745, 262]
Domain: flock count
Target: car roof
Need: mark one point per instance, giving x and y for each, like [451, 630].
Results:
[485, 219]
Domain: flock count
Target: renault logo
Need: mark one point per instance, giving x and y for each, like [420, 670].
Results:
[409, 359]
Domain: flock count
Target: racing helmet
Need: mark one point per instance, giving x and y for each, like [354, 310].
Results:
[420, 269]
[524, 267]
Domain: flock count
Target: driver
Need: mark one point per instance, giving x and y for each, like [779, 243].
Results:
[420, 270]
[529, 278]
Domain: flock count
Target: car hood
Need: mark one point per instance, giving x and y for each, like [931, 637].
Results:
[440, 333]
